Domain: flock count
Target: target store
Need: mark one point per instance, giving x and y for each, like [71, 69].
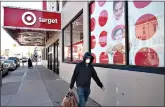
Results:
[125, 38]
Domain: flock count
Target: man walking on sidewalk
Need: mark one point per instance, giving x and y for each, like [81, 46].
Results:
[83, 73]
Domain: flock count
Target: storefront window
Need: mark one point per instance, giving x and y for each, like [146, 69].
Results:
[73, 38]
[67, 44]
[77, 39]
[146, 31]
[107, 28]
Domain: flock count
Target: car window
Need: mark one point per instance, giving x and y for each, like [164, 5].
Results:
[13, 58]
[8, 61]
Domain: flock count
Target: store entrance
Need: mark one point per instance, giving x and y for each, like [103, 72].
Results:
[56, 57]
[50, 61]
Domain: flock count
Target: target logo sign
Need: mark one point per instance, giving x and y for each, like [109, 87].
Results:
[32, 19]
[29, 18]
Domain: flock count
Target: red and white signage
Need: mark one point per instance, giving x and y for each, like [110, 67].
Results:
[146, 33]
[33, 19]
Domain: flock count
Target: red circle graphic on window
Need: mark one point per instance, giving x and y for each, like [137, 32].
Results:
[103, 39]
[94, 56]
[118, 58]
[101, 2]
[103, 18]
[92, 7]
[146, 26]
[141, 4]
[93, 41]
[147, 57]
[93, 23]
[104, 58]
[118, 32]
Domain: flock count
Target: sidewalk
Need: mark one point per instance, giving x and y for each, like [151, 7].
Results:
[34, 87]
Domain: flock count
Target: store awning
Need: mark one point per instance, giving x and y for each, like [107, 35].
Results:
[29, 27]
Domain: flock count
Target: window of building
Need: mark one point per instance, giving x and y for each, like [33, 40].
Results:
[73, 40]
[142, 44]
[53, 6]
[50, 48]
[107, 30]
[77, 39]
[146, 27]
[67, 44]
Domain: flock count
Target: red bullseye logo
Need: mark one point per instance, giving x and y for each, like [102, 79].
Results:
[104, 58]
[103, 39]
[147, 57]
[29, 18]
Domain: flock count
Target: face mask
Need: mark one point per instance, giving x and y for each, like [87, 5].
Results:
[87, 61]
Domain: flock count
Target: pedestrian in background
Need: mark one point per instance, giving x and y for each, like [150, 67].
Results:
[30, 65]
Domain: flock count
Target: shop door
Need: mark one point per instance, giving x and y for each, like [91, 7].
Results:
[53, 57]
[54, 52]
[56, 58]
[50, 61]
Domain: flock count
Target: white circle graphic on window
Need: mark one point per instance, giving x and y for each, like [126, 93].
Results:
[29, 18]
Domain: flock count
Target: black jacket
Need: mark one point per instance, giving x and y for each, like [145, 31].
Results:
[30, 63]
[82, 74]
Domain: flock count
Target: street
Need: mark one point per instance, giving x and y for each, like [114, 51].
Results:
[34, 87]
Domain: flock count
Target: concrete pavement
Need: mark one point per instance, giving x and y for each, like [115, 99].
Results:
[34, 87]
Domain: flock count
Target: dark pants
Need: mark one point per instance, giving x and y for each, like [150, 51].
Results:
[30, 64]
[83, 94]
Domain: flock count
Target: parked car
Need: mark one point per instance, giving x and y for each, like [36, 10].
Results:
[2, 58]
[10, 64]
[24, 60]
[17, 61]
[4, 71]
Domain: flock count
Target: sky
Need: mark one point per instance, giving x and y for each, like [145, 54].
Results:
[6, 41]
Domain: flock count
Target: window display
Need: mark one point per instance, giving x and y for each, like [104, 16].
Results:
[73, 49]
[77, 39]
[107, 27]
[146, 31]
[67, 44]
